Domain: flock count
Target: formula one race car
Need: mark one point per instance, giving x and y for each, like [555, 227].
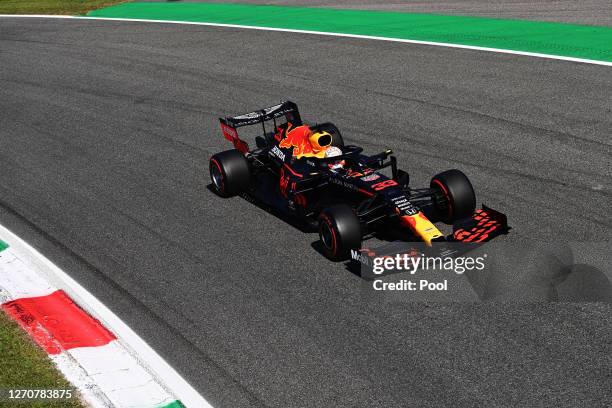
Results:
[308, 172]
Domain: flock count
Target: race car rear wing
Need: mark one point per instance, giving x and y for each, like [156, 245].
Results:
[230, 124]
[271, 113]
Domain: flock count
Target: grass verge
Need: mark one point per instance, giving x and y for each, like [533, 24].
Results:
[69, 7]
[568, 40]
[26, 366]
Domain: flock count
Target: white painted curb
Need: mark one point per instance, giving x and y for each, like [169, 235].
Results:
[38, 274]
[365, 37]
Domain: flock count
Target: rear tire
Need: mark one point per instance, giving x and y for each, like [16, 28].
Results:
[455, 199]
[339, 232]
[230, 173]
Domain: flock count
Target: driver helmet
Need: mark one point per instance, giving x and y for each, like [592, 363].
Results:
[334, 151]
[320, 140]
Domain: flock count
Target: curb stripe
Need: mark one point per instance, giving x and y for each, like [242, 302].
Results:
[17, 282]
[101, 356]
[324, 33]
[56, 323]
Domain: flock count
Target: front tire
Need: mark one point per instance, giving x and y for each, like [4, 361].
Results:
[455, 198]
[339, 232]
[230, 173]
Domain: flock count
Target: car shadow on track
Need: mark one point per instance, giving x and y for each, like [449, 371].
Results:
[304, 228]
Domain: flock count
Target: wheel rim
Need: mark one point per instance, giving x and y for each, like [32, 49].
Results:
[217, 177]
[327, 236]
[446, 196]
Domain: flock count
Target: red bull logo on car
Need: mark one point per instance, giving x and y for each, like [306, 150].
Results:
[298, 139]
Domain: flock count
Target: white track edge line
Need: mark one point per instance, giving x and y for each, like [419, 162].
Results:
[325, 33]
[181, 389]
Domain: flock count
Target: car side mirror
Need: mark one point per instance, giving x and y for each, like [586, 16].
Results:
[403, 179]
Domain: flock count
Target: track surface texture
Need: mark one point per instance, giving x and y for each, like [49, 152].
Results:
[591, 12]
[105, 133]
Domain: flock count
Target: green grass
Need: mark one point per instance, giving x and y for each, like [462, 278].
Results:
[23, 365]
[70, 7]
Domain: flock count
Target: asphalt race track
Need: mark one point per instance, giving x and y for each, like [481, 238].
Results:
[105, 133]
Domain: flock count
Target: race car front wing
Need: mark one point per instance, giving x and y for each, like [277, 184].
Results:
[483, 226]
